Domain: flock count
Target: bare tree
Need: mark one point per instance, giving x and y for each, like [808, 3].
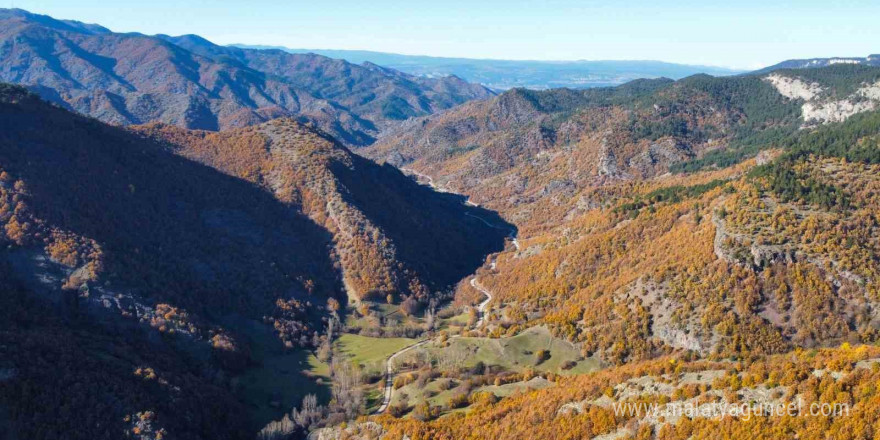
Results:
[430, 316]
[278, 430]
[310, 413]
[450, 359]
[347, 393]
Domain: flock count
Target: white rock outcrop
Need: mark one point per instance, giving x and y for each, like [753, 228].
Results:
[794, 88]
[871, 92]
[833, 111]
[817, 111]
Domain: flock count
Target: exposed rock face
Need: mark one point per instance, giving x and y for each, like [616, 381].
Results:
[678, 338]
[871, 91]
[814, 63]
[672, 332]
[721, 251]
[818, 111]
[763, 158]
[794, 88]
[728, 247]
[834, 111]
[660, 154]
[764, 256]
[608, 162]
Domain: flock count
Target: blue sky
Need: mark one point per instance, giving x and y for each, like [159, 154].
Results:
[733, 33]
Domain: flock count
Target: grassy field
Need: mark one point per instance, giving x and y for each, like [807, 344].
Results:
[281, 379]
[431, 392]
[284, 377]
[369, 351]
[371, 354]
[454, 324]
[518, 352]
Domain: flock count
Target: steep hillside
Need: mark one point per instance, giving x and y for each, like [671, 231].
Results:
[391, 235]
[156, 284]
[736, 262]
[189, 82]
[585, 177]
[63, 376]
[112, 206]
[133, 272]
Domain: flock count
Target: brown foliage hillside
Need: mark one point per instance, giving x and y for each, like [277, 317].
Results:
[62, 376]
[584, 406]
[391, 235]
[143, 276]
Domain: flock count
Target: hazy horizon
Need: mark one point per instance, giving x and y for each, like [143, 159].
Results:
[329, 49]
[743, 36]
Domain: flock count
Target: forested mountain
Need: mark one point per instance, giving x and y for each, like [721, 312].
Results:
[390, 235]
[192, 83]
[524, 148]
[145, 270]
[706, 239]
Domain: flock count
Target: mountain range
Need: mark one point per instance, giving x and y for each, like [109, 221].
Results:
[190, 82]
[507, 74]
[210, 242]
[529, 146]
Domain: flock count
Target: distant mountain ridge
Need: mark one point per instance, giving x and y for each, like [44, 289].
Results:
[812, 63]
[190, 82]
[507, 74]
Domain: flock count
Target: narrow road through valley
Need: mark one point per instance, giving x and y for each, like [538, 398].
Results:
[389, 363]
[511, 233]
[481, 308]
[389, 375]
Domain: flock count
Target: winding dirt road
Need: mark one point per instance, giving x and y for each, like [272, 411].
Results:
[389, 363]
[511, 233]
[481, 308]
[389, 375]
